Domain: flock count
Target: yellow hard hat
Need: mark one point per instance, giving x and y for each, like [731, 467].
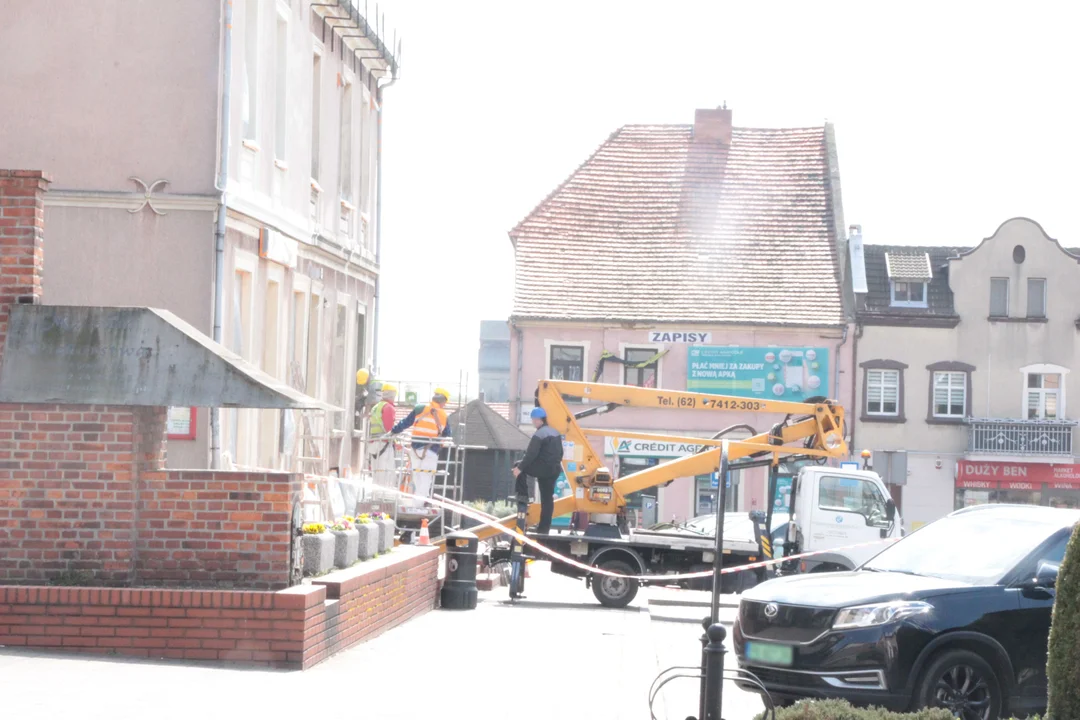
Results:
[362, 377]
[442, 391]
[388, 388]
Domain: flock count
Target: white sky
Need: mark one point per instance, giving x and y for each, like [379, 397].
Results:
[951, 117]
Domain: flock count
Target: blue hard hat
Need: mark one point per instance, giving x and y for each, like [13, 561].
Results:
[538, 413]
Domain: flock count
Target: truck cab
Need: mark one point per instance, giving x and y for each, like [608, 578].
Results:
[834, 510]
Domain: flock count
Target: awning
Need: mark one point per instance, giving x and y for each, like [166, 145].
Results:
[129, 356]
[909, 267]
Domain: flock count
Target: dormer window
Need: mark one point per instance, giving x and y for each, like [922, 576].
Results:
[909, 275]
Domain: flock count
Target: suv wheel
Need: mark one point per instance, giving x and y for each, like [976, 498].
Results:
[963, 683]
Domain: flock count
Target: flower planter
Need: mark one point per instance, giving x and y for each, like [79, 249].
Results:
[386, 535]
[346, 547]
[369, 540]
[318, 553]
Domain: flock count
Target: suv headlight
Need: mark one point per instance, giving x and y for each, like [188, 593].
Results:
[879, 614]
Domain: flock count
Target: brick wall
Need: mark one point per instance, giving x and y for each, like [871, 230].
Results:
[295, 628]
[198, 527]
[84, 496]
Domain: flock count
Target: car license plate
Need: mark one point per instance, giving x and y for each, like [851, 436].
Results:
[770, 653]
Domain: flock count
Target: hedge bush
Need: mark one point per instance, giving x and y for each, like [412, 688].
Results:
[1063, 653]
[842, 710]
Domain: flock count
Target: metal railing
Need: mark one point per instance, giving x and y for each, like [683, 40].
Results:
[993, 436]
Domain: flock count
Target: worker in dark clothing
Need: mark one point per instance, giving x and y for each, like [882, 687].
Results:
[543, 461]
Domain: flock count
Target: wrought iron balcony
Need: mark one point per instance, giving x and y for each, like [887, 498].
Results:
[992, 436]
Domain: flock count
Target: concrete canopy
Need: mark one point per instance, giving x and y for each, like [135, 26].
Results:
[129, 356]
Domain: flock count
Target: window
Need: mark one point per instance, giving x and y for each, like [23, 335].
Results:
[316, 114]
[950, 394]
[345, 162]
[251, 69]
[641, 368]
[908, 294]
[296, 340]
[280, 106]
[999, 297]
[883, 392]
[1043, 396]
[311, 379]
[567, 362]
[339, 389]
[854, 495]
[1036, 298]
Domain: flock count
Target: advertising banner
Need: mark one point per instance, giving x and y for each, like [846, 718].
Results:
[1016, 476]
[768, 373]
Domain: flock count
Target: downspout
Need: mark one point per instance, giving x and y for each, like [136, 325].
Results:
[378, 226]
[219, 225]
[520, 371]
[854, 384]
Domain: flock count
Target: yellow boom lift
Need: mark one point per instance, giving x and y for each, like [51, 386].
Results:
[813, 430]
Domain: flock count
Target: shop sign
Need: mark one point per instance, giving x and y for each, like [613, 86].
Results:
[1017, 476]
[690, 338]
[649, 448]
[768, 373]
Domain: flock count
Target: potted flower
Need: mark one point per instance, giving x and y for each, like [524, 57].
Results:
[318, 549]
[346, 542]
[386, 531]
[369, 536]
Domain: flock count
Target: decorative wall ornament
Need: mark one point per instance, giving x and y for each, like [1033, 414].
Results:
[148, 192]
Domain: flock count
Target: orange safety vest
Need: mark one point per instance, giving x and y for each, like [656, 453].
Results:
[429, 423]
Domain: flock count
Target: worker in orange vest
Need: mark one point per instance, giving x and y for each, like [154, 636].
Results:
[429, 424]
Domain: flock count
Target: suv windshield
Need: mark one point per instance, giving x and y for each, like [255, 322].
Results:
[974, 548]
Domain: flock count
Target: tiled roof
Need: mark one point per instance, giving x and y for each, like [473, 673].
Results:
[939, 297]
[657, 227]
[903, 265]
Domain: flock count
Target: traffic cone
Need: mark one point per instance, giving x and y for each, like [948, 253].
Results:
[425, 538]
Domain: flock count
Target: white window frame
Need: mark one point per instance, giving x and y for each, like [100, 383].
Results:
[281, 89]
[907, 303]
[252, 37]
[1045, 299]
[1008, 297]
[301, 287]
[548, 343]
[343, 302]
[655, 349]
[951, 389]
[315, 117]
[866, 400]
[1044, 369]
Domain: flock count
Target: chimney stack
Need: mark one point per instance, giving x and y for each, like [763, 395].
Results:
[713, 125]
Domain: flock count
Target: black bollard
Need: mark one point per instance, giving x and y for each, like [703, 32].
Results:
[459, 590]
[714, 672]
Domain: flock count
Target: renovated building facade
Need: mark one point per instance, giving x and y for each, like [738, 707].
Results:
[966, 359]
[695, 257]
[219, 160]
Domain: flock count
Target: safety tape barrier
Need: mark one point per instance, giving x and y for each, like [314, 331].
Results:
[496, 523]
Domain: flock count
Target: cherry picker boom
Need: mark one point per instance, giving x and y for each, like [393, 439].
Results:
[813, 430]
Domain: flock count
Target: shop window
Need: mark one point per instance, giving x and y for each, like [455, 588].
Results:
[999, 297]
[1043, 396]
[567, 362]
[883, 390]
[641, 367]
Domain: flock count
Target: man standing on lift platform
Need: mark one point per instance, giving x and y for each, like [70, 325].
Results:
[543, 461]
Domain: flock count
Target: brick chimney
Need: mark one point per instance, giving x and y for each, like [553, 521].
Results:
[713, 125]
[22, 223]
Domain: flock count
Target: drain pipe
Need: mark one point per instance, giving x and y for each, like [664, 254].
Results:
[843, 341]
[219, 225]
[378, 225]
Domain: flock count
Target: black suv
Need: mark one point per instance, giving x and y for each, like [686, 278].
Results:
[955, 615]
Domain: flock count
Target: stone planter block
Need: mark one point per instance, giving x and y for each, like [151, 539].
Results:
[346, 547]
[369, 540]
[386, 535]
[318, 553]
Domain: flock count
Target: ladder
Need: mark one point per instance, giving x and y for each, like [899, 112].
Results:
[309, 460]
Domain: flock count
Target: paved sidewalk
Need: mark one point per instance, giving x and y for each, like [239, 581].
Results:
[555, 654]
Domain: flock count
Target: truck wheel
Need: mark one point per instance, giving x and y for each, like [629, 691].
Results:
[615, 592]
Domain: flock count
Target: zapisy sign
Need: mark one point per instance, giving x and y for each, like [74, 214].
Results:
[665, 336]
